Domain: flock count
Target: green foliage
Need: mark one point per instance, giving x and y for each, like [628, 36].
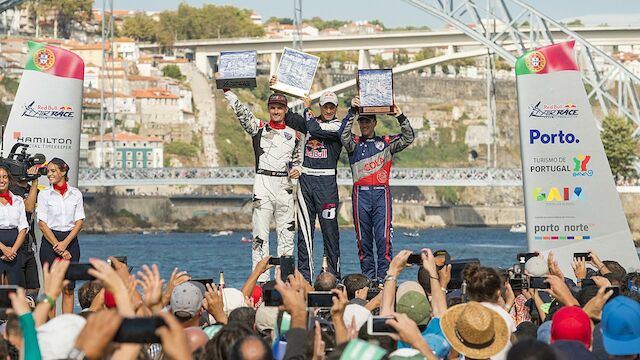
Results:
[433, 154]
[619, 145]
[140, 27]
[424, 54]
[277, 20]
[342, 56]
[321, 24]
[576, 22]
[209, 21]
[173, 71]
[134, 220]
[262, 90]
[409, 28]
[181, 148]
[447, 195]
[10, 84]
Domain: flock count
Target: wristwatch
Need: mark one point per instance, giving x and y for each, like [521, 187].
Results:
[48, 299]
[76, 354]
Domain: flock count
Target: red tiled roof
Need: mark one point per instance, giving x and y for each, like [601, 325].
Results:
[126, 136]
[154, 93]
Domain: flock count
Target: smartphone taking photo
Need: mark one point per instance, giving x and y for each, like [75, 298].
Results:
[139, 330]
[79, 271]
[538, 283]
[377, 325]
[5, 290]
[320, 299]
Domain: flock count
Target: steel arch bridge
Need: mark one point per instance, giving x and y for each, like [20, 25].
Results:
[515, 22]
[509, 28]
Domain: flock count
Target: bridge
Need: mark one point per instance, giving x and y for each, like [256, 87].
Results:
[205, 50]
[245, 176]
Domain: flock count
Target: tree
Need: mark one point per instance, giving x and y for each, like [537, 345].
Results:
[576, 22]
[619, 145]
[140, 27]
[209, 21]
[283, 21]
[173, 71]
[66, 13]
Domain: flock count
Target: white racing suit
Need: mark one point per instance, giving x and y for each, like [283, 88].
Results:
[276, 151]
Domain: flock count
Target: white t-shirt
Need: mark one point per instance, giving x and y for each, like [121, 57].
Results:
[13, 216]
[60, 212]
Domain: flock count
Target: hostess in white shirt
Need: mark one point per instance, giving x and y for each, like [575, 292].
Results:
[60, 213]
[13, 216]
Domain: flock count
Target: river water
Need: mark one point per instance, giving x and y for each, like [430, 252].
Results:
[204, 255]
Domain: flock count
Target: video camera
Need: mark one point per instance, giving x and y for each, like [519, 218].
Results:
[18, 162]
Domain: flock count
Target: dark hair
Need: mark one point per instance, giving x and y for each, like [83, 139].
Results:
[424, 279]
[87, 292]
[62, 165]
[325, 282]
[218, 347]
[617, 272]
[585, 294]
[631, 280]
[236, 352]
[11, 179]
[531, 349]
[13, 325]
[355, 282]
[243, 316]
[483, 283]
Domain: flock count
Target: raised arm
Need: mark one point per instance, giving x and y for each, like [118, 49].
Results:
[327, 130]
[296, 121]
[249, 122]
[406, 136]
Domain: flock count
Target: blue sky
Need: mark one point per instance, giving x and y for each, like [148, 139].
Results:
[395, 13]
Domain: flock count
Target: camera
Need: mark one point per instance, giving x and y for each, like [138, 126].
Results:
[19, 161]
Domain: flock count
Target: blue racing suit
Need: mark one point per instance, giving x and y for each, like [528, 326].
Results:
[370, 160]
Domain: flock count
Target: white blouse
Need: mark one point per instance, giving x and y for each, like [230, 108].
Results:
[13, 216]
[60, 212]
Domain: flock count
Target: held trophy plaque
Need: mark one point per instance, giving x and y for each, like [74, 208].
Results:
[375, 88]
[237, 69]
[295, 72]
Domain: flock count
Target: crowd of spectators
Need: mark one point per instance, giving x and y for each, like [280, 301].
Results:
[493, 314]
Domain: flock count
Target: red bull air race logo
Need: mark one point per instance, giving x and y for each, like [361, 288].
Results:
[553, 111]
[315, 150]
[39, 111]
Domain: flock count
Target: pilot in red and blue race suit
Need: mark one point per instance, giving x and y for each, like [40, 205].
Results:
[370, 157]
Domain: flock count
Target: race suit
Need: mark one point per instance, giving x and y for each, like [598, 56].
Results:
[318, 192]
[276, 151]
[370, 160]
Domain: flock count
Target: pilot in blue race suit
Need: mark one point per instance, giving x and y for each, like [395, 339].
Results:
[370, 157]
[318, 191]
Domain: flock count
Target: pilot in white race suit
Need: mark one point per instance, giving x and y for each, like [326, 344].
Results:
[277, 155]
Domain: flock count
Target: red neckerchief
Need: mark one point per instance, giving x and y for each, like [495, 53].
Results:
[61, 188]
[7, 196]
[274, 125]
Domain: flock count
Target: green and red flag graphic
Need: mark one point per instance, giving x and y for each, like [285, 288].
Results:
[571, 201]
[47, 110]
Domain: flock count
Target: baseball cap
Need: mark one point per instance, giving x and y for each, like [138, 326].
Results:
[411, 300]
[536, 266]
[544, 332]
[328, 97]
[233, 299]
[57, 336]
[186, 297]
[278, 99]
[621, 326]
[571, 323]
[266, 317]
[361, 314]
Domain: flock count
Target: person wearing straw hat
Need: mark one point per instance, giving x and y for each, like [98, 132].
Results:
[474, 330]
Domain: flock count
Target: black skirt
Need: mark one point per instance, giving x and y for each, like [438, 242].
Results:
[12, 268]
[48, 255]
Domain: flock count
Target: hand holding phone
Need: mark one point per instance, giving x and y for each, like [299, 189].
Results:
[320, 299]
[582, 255]
[274, 261]
[377, 325]
[271, 297]
[538, 283]
[139, 330]
[5, 290]
[79, 271]
[414, 259]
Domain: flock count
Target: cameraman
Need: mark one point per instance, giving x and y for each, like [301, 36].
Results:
[29, 193]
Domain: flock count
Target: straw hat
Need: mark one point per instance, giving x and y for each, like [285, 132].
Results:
[475, 330]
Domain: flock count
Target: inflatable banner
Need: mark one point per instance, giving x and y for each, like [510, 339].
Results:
[571, 202]
[47, 110]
